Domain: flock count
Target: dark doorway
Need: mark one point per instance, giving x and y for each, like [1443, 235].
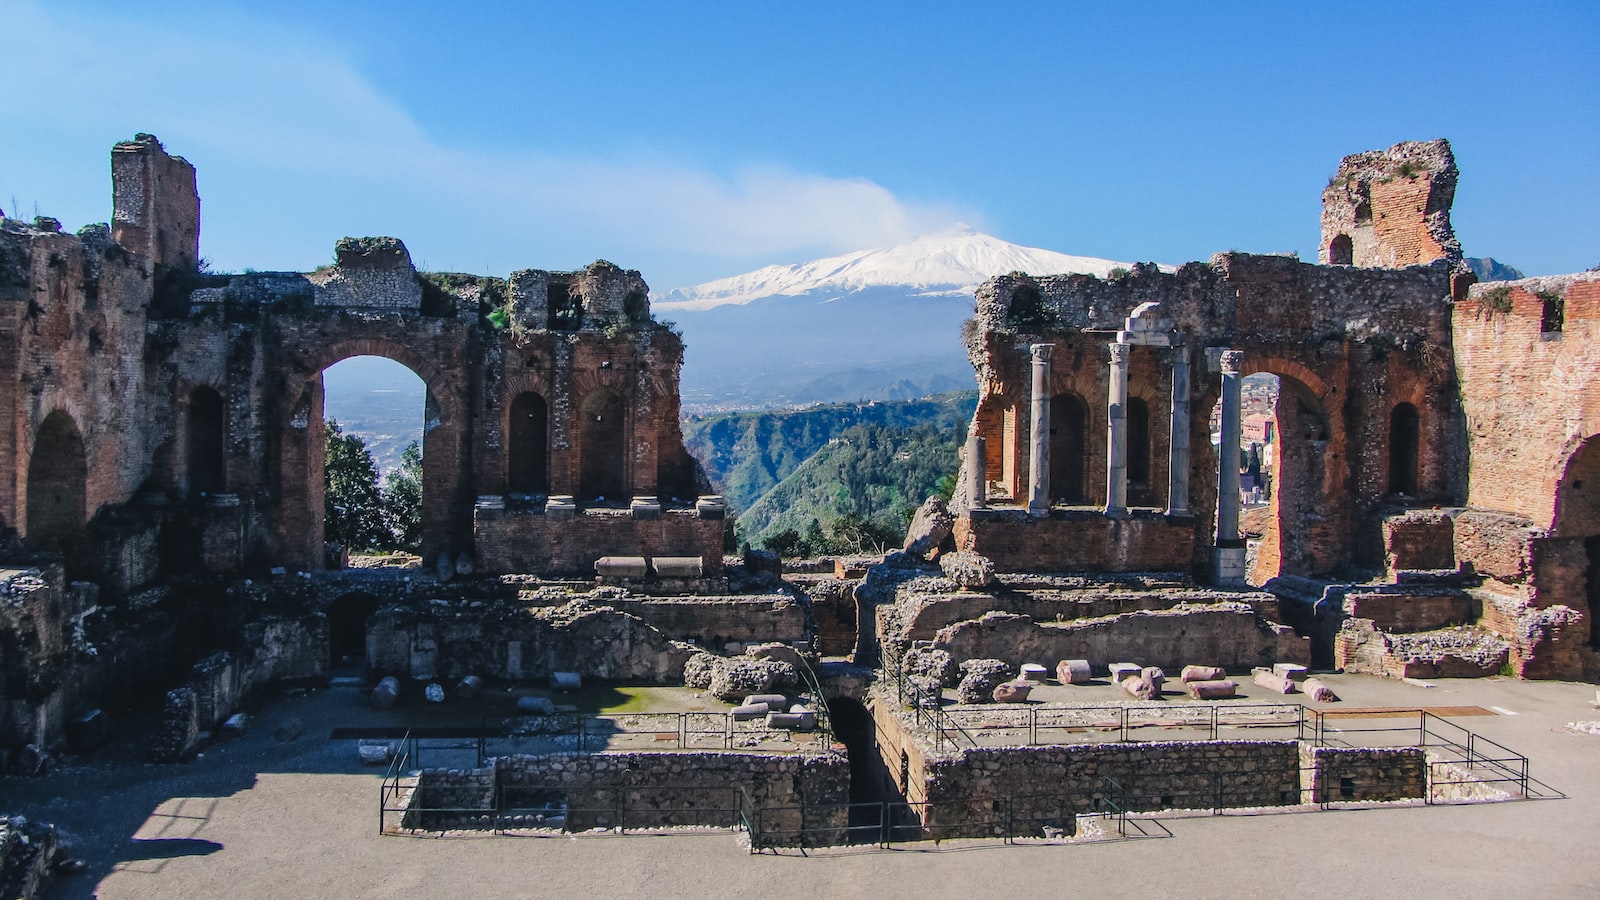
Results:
[530, 451]
[206, 473]
[1404, 437]
[1069, 427]
[1341, 252]
[1138, 446]
[871, 785]
[348, 615]
[57, 491]
[1591, 546]
[602, 444]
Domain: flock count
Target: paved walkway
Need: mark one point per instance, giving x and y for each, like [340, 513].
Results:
[256, 818]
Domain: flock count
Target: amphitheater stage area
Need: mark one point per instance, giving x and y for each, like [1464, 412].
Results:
[260, 817]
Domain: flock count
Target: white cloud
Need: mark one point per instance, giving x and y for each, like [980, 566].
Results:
[294, 113]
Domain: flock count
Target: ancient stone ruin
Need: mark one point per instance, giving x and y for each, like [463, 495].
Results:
[1431, 508]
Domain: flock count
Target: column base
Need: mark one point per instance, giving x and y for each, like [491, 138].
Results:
[1227, 566]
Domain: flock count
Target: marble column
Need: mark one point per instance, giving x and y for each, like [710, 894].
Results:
[977, 473]
[1228, 560]
[1178, 452]
[1039, 433]
[1117, 433]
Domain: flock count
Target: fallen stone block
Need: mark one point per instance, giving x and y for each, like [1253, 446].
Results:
[1033, 672]
[773, 701]
[434, 693]
[1292, 671]
[565, 681]
[1073, 671]
[789, 721]
[1155, 676]
[469, 687]
[979, 677]
[1013, 691]
[1318, 691]
[808, 716]
[1212, 690]
[749, 711]
[235, 727]
[775, 650]
[536, 706]
[375, 753]
[1140, 687]
[1204, 673]
[386, 693]
[633, 567]
[89, 731]
[1273, 681]
[1121, 671]
[968, 570]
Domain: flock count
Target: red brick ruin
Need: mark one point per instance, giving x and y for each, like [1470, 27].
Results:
[1434, 499]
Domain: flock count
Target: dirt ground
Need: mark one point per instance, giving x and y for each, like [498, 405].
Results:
[256, 817]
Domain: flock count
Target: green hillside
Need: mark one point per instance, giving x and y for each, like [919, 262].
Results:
[747, 454]
[857, 493]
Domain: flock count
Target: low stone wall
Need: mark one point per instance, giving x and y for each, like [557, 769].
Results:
[1361, 647]
[1412, 610]
[509, 541]
[1230, 635]
[513, 643]
[1419, 539]
[971, 785]
[577, 792]
[713, 621]
[918, 617]
[1336, 774]
[1077, 540]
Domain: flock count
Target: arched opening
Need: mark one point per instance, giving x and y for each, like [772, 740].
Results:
[1404, 437]
[1341, 251]
[57, 486]
[1069, 430]
[207, 473]
[602, 447]
[1284, 458]
[529, 448]
[1578, 520]
[871, 782]
[375, 413]
[348, 616]
[1138, 424]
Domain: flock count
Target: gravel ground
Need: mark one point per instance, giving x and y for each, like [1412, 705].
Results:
[259, 818]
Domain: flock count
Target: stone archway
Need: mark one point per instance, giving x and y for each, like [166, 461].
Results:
[602, 447]
[57, 485]
[304, 451]
[348, 616]
[1577, 527]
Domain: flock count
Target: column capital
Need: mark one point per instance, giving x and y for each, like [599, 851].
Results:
[1041, 352]
[1232, 361]
[1119, 353]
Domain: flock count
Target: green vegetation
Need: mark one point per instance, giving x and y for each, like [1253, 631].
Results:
[747, 454]
[1495, 300]
[359, 513]
[1029, 313]
[857, 493]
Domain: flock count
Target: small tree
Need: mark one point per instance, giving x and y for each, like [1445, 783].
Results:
[402, 501]
[353, 511]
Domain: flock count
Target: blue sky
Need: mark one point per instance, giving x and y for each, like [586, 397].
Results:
[695, 141]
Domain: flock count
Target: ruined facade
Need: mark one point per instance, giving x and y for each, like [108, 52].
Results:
[1433, 436]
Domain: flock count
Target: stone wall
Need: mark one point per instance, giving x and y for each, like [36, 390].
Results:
[539, 542]
[1230, 635]
[789, 792]
[507, 642]
[1391, 207]
[1353, 774]
[1077, 541]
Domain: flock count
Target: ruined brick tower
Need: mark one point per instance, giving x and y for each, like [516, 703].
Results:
[1391, 208]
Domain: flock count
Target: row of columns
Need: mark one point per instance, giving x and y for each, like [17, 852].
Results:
[1229, 561]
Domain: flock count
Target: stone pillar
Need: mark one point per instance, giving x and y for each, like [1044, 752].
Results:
[1039, 433]
[1178, 454]
[977, 473]
[1228, 558]
[1117, 433]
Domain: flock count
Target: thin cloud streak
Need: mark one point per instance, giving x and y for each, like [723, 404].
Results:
[296, 115]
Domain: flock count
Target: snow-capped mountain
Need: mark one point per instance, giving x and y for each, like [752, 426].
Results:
[953, 263]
